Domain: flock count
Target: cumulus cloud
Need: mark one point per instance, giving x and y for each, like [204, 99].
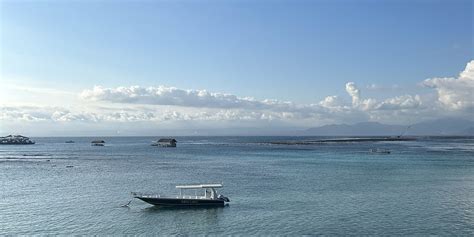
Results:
[163, 95]
[332, 101]
[357, 102]
[170, 96]
[58, 114]
[203, 99]
[227, 107]
[455, 93]
[38, 113]
[401, 102]
[167, 104]
[22, 113]
[354, 92]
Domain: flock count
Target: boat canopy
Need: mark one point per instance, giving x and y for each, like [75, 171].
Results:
[197, 186]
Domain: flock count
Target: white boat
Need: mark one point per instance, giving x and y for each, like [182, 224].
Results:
[16, 140]
[209, 197]
[380, 151]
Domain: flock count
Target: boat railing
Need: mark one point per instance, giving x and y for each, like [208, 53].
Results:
[191, 197]
[147, 195]
[152, 195]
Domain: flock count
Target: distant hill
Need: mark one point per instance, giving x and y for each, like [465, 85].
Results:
[358, 129]
[439, 127]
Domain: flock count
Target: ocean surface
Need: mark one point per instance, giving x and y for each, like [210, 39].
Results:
[424, 187]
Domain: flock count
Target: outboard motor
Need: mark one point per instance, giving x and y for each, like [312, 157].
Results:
[222, 197]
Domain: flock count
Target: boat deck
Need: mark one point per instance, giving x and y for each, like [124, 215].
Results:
[196, 197]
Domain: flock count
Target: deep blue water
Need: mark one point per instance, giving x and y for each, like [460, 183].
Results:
[423, 187]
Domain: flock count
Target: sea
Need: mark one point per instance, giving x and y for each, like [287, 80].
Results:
[423, 187]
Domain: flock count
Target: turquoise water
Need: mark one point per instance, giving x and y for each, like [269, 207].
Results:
[423, 187]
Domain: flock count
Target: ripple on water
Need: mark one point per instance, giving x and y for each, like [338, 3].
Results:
[335, 189]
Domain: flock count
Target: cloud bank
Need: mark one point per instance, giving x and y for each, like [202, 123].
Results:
[163, 95]
[156, 105]
[171, 96]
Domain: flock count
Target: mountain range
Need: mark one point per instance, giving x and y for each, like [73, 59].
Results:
[439, 127]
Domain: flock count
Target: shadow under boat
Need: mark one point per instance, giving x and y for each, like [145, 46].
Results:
[183, 207]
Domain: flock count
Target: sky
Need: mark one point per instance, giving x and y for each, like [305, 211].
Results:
[98, 67]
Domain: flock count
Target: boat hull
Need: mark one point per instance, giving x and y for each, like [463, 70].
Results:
[173, 202]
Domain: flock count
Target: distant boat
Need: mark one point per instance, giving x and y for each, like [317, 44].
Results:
[15, 140]
[380, 151]
[70, 141]
[98, 143]
[165, 142]
[209, 197]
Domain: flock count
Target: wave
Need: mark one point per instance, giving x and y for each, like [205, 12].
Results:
[37, 154]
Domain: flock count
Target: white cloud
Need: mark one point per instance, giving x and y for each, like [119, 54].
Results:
[376, 87]
[162, 95]
[455, 93]
[58, 114]
[354, 92]
[244, 108]
[401, 102]
[332, 101]
[165, 105]
[25, 113]
[201, 105]
[357, 102]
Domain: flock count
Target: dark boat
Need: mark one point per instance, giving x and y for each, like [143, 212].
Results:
[98, 143]
[209, 199]
[165, 142]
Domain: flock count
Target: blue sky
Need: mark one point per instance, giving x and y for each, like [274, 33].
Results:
[298, 51]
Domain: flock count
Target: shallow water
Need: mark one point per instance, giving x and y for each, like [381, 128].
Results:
[423, 187]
